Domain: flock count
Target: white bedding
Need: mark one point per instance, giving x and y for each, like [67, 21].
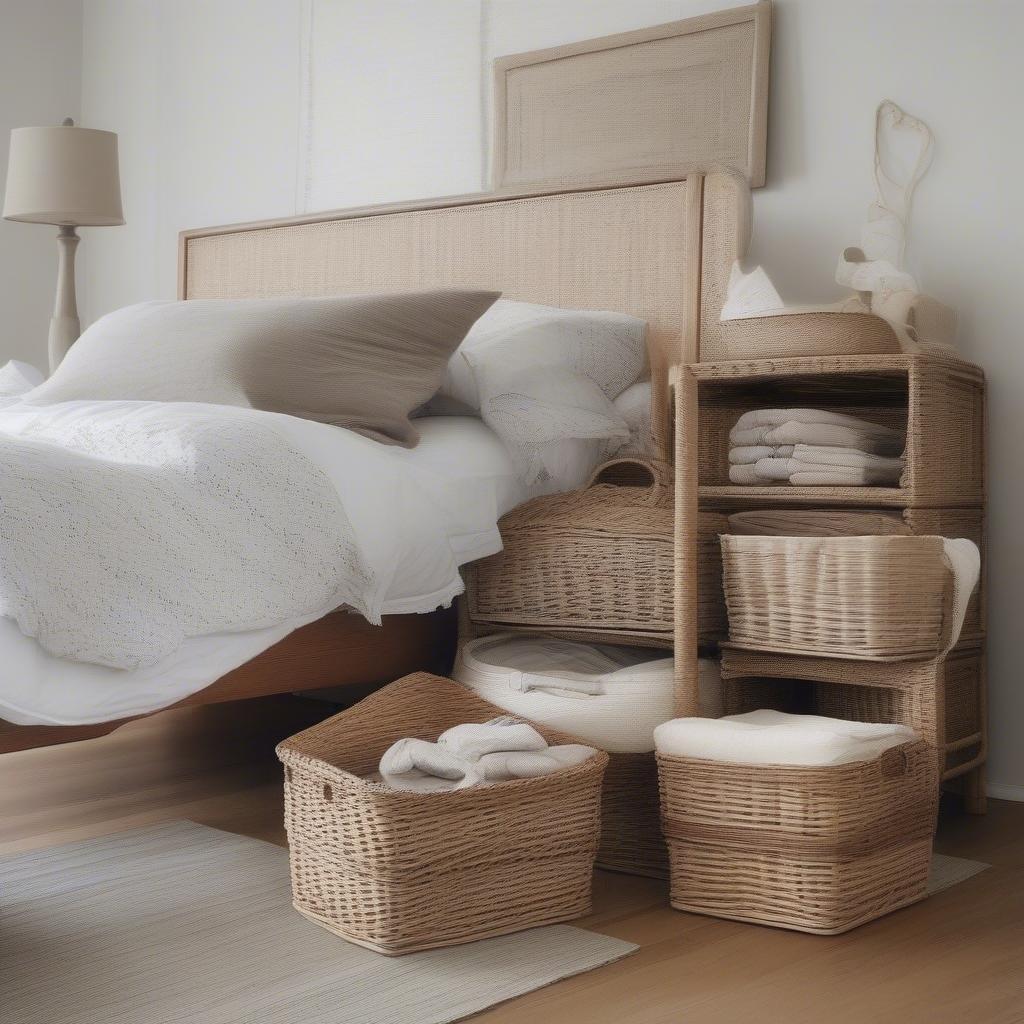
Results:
[416, 516]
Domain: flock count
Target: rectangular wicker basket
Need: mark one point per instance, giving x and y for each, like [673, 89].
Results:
[399, 872]
[967, 523]
[820, 849]
[879, 598]
[596, 563]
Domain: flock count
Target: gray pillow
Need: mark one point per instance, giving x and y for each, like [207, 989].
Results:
[360, 361]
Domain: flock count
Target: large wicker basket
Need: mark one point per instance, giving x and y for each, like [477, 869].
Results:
[596, 563]
[821, 849]
[399, 872]
[879, 598]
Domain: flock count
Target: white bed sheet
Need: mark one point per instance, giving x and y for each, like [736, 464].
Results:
[460, 471]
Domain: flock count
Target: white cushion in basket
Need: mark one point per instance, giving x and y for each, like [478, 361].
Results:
[612, 697]
[774, 737]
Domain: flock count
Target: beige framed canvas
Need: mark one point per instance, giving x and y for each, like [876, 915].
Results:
[652, 105]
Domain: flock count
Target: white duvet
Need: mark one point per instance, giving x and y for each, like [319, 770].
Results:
[147, 548]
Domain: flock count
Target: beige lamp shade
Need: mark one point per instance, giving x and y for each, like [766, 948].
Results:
[63, 175]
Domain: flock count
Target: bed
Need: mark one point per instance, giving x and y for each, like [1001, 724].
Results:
[660, 251]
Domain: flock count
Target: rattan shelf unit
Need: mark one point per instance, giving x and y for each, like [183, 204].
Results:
[943, 699]
[940, 403]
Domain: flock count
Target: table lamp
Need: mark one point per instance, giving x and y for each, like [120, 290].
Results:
[67, 176]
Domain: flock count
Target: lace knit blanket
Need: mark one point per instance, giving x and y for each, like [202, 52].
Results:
[127, 527]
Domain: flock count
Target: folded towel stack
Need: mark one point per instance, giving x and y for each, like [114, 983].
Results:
[476, 754]
[773, 737]
[813, 447]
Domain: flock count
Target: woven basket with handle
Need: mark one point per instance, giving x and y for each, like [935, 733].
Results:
[815, 849]
[399, 872]
[598, 562]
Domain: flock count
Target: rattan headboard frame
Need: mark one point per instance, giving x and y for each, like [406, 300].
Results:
[635, 249]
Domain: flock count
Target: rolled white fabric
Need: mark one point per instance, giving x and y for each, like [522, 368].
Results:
[774, 737]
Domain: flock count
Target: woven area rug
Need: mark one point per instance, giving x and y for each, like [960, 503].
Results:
[185, 923]
[949, 871]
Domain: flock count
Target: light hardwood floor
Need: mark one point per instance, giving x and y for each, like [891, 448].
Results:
[958, 957]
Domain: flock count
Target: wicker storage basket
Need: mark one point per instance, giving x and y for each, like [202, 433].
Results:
[968, 523]
[631, 838]
[596, 563]
[810, 333]
[820, 849]
[399, 872]
[879, 598]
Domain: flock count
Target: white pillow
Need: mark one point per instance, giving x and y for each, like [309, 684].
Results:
[543, 379]
[634, 406]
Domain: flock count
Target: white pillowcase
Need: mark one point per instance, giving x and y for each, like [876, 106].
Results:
[634, 406]
[544, 379]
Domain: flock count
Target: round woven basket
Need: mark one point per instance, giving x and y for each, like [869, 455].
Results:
[879, 598]
[827, 333]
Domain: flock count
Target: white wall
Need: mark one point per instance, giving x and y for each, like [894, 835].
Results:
[40, 73]
[218, 124]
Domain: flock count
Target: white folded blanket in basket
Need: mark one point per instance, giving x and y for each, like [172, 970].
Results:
[474, 754]
[774, 737]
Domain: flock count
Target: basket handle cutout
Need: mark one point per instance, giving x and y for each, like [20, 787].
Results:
[328, 792]
[894, 762]
[638, 473]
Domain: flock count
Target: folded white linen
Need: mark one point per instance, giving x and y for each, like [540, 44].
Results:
[776, 417]
[749, 454]
[773, 427]
[475, 754]
[419, 766]
[747, 475]
[820, 434]
[502, 766]
[774, 737]
[472, 741]
[835, 476]
[847, 465]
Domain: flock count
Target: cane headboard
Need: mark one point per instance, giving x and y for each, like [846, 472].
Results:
[635, 250]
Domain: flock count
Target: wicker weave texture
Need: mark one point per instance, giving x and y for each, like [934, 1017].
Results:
[812, 849]
[942, 700]
[826, 333]
[399, 872]
[880, 598]
[631, 836]
[596, 560]
[939, 402]
[966, 523]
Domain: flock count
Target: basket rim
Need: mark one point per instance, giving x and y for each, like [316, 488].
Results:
[914, 746]
[289, 751]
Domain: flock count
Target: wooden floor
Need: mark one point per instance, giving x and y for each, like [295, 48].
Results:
[957, 958]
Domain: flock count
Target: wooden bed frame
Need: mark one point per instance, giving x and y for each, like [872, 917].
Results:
[659, 248]
[660, 251]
